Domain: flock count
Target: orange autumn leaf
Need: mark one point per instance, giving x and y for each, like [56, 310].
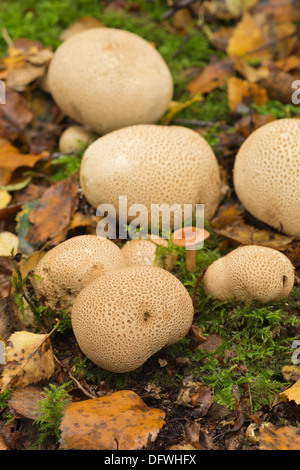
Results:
[241, 91]
[285, 438]
[211, 76]
[292, 393]
[247, 39]
[11, 159]
[118, 421]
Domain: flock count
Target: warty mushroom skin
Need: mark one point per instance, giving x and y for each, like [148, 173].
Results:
[106, 79]
[126, 316]
[250, 273]
[70, 266]
[151, 164]
[267, 175]
[143, 252]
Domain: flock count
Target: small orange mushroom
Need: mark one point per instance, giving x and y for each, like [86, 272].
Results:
[190, 238]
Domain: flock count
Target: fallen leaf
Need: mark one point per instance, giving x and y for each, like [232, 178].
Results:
[212, 76]
[15, 115]
[120, 421]
[247, 39]
[81, 24]
[8, 242]
[285, 438]
[29, 359]
[3, 446]
[219, 38]
[176, 107]
[5, 199]
[239, 7]
[241, 91]
[11, 159]
[292, 393]
[23, 401]
[51, 217]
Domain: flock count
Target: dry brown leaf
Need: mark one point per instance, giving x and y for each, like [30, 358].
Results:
[23, 401]
[15, 115]
[241, 91]
[292, 393]
[289, 63]
[247, 37]
[285, 438]
[212, 76]
[81, 24]
[51, 217]
[118, 421]
[11, 159]
[29, 359]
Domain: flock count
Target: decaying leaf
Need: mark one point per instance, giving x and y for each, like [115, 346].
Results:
[285, 438]
[23, 401]
[5, 199]
[241, 91]
[212, 76]
[52, 215]
[230, 224]
[118, 421]
[29, 359]
[81, 24]
[292, 393]
[8, 242]
[11, 159]
[15, 115]
[247, 40]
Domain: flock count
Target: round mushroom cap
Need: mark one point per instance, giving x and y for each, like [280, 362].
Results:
[267, 175]
[143, 252]
[250, 273]
[74, 138]
[107, 78]
[70, 266]
[152, 164]
[126, 316]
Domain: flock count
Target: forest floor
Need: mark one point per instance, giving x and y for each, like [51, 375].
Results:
[225, 385]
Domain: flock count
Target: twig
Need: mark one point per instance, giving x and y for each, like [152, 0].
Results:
[88, 394]
[273, 43]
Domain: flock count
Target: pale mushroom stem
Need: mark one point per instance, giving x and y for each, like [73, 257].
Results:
[190, 260]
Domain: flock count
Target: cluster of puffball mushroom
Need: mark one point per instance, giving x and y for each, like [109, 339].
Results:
[125, 305]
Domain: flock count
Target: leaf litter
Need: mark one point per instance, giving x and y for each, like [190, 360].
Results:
[254, 60]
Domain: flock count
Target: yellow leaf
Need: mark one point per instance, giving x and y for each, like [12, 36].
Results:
[241, 91]
[118, 421]
[5, 199]
[292, 393]
[239, 7]
[29, 359]
[175, 107]
[247, 37]
[8, 242]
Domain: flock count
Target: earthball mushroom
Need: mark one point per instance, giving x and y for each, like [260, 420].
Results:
[152, 165]
[267, 175]
[126, 316]
[250, 273]
[70, 266]
[74, 138]
[143, 252]
[107, 78]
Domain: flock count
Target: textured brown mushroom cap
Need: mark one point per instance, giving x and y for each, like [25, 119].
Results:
[151, 164]
[143, 252]
[250, 273]
[107, 78]
[70, 266]
[267, 175]
[73, 139]
[126, 316]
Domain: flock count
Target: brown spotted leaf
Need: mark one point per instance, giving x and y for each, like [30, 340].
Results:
[29, 359]
[285, 438]
[117, 421]
[52, 216]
